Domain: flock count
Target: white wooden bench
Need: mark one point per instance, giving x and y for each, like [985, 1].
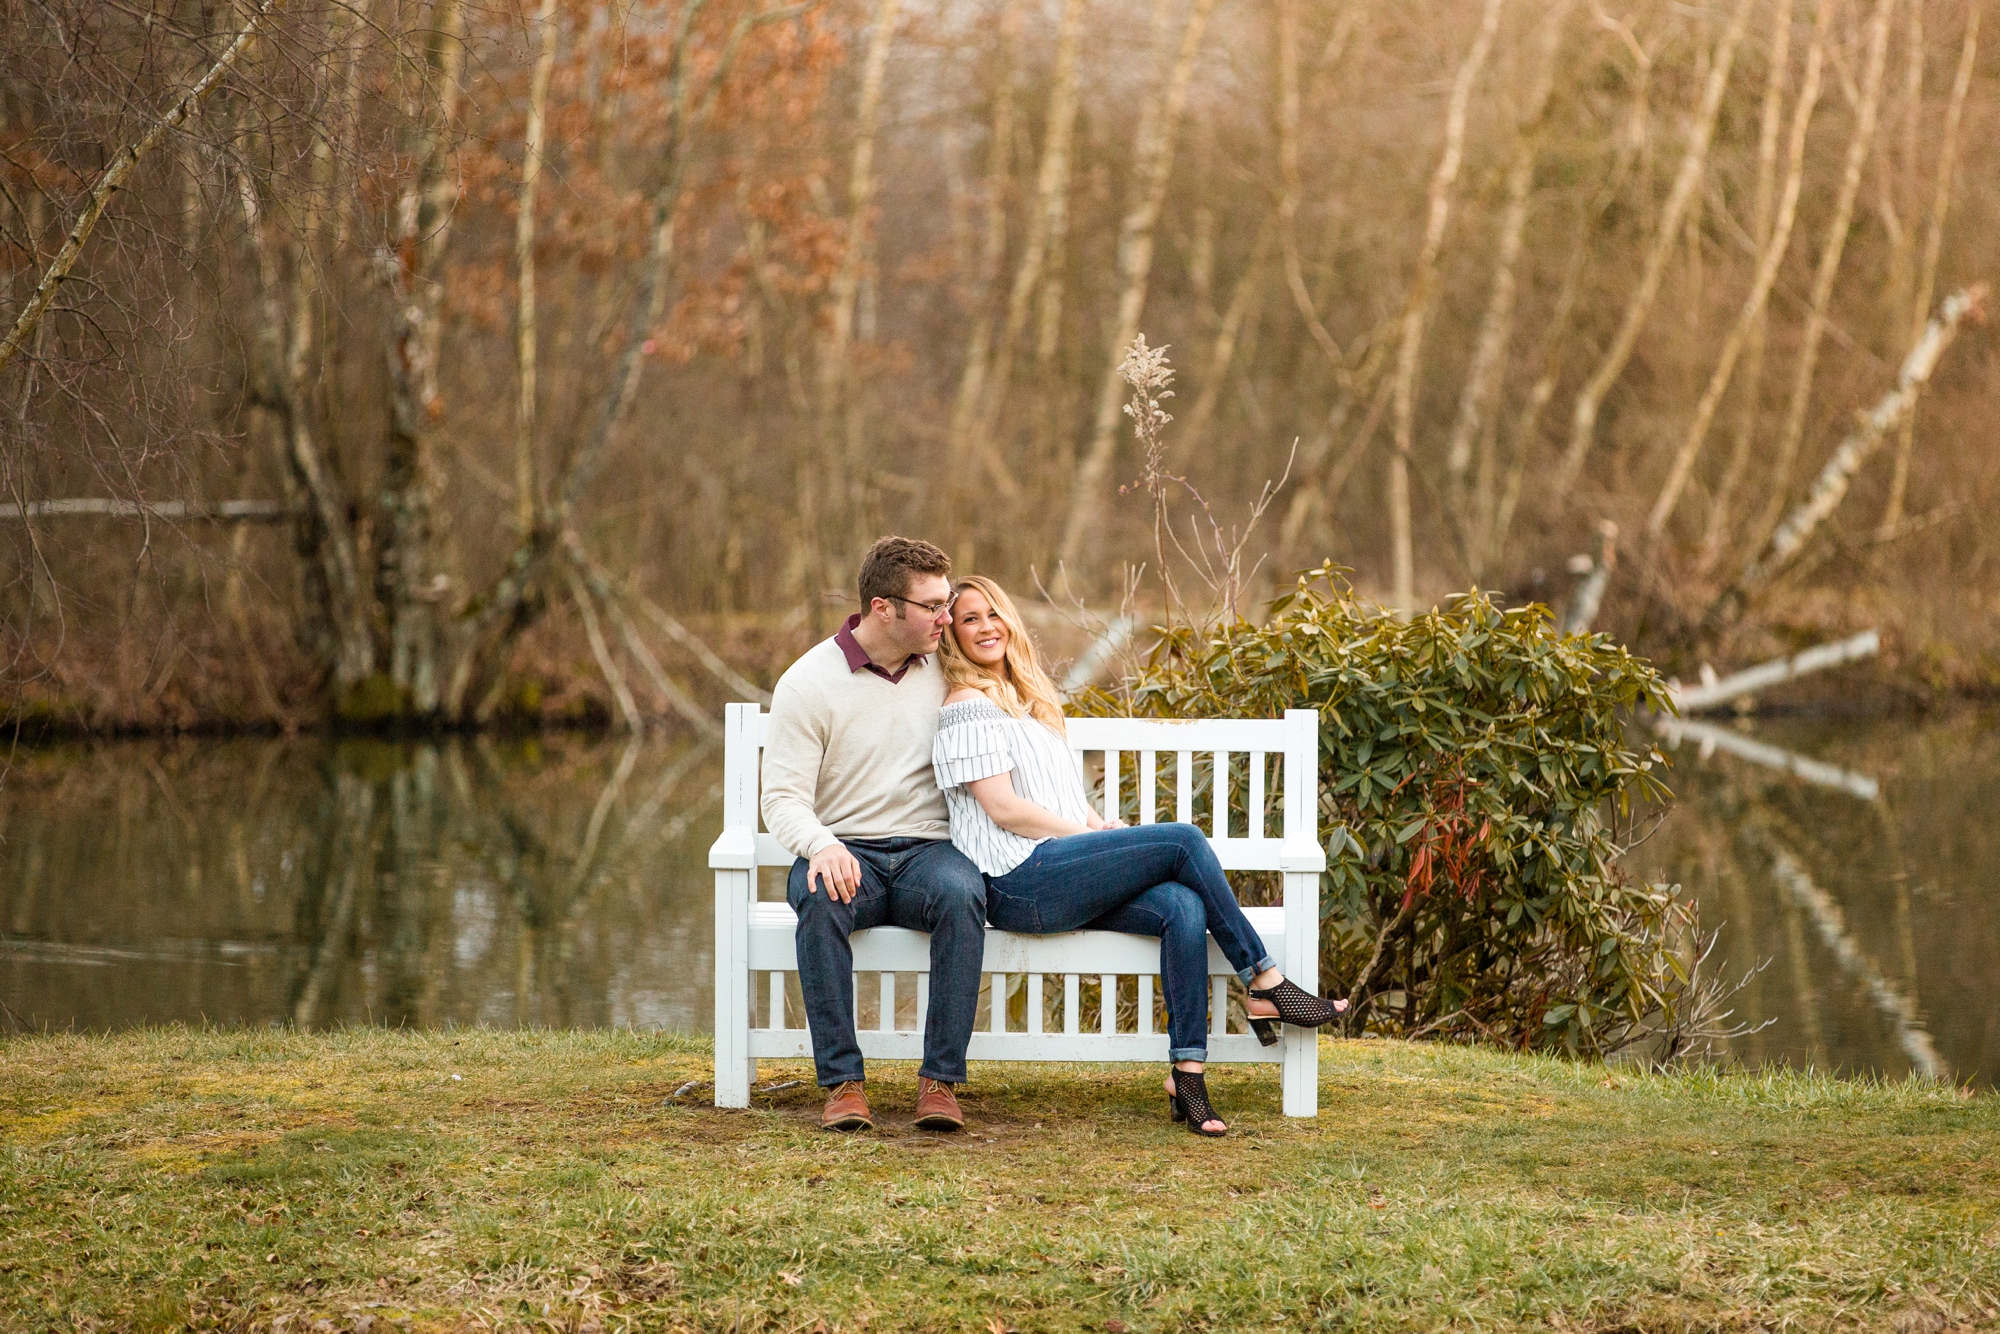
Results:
[754, 938]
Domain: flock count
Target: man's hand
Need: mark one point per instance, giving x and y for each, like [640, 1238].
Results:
[836, 866]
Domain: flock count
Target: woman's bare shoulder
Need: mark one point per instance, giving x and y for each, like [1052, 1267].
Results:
[962, 694]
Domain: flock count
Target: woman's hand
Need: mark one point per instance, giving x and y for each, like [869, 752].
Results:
[1096, 822]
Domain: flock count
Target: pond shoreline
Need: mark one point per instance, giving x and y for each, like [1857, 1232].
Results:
[1816, 698]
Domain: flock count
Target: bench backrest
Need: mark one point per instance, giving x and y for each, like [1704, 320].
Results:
[1183, 755]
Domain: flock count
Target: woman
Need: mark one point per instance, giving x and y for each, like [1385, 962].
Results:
[1052, 864]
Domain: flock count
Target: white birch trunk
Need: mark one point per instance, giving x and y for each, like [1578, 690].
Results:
[1437, 214]
[1899, 481]
[113, 179]
[965, 437]
[860, 196]
[1830, 487]
[1044, 222]
[1694, 164]
[1496, 327]
[1768, 262]
[1769, 127]
[524, 262]
[1793, 429]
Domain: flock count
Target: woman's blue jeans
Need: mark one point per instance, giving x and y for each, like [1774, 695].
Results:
[1149, 880]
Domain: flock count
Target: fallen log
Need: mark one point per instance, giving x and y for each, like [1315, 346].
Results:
[1695, 699]
[239, 511]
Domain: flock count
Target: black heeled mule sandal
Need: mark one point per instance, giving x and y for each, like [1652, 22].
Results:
[1296, 1006]
[1189, 1102]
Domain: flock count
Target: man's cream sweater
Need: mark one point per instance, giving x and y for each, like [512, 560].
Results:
[847, 754]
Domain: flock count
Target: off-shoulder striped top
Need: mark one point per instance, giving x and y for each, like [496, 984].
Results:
[976, 740]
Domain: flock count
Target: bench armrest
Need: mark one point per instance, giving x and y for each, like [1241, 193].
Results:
[1300, 855]
[733, 850]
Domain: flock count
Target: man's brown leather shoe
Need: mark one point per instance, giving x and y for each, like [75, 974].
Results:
[846, 1108]
[937, 1106]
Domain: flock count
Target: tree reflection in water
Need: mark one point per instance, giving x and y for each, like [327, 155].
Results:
[563, 881]
[1877, 912]
[549, 881]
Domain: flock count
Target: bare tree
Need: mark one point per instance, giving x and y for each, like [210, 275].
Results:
[1752, 312]
[114, 176]
[1770, 124]
[838, 418]
[1830, 487]
[1437, 213]
[967, 431]
[1687, 181]
[1482, 377]
[1153, 164]
[1858, 145]
[1899, 481]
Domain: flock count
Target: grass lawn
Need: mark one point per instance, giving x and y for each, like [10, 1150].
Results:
[475, 1179]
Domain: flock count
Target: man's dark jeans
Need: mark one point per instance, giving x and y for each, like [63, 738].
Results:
[924, 884]
[1149, 880]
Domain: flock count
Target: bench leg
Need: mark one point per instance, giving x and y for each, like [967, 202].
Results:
[1301, 1071]
[735, 1068]
[1301, 965]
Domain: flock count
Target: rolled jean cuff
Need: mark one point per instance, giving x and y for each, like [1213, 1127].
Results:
[1263, 965]
[1187, 1053]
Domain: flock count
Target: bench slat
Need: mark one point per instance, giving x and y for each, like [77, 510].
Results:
[1235, 854]
[1255, 802]
[1173, 734]
[1148, 733]
[1218, 796]
[898, 950]
[796, 1044]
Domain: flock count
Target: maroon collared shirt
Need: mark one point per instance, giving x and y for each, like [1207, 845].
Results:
[857, 656]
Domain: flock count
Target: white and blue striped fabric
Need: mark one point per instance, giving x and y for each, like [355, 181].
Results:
[977, 739]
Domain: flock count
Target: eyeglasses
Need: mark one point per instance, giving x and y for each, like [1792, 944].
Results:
[930, 609]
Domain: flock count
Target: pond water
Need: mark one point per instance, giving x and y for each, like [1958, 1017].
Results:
[562, 881]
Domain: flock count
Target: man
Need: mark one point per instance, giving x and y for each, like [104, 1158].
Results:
[848, 788]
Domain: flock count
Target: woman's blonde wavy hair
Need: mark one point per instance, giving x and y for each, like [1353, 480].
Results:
[1021, 689]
